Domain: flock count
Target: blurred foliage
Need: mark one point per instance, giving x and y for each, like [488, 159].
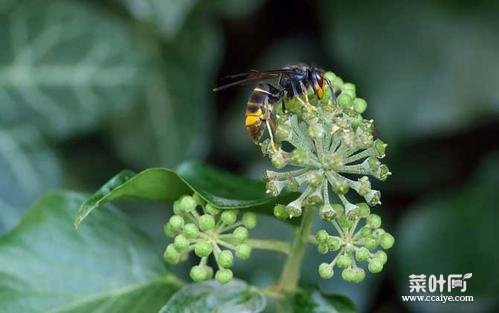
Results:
[468, 218]
[90, 87]
[88, 271]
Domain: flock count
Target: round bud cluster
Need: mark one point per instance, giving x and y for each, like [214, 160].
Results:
[198, 227]
[326, 150]
[353, 245]
[328, 143]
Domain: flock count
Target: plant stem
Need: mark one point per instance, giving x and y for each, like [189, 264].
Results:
[290, 274]
[274, 245]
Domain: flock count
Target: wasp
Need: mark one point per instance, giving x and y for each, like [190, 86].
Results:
[292, 81]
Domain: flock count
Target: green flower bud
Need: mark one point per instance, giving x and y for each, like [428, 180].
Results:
[334, 162]
[344, 261]
[386, 241]
[313, 199]
[356, 122]
[299, 157]
[187, 204]
[210, 209]
[181, 243]
[240, 234]
[315, 130]
[375, 266]
[362, 254]
[373, 197]
[168, 230]
[364, 209]
[315, 178]
[280, 212]
[359, 105]
[338, 208]
[294, 208]
[365, 231]
[334, 243]
[225, 259]
[294, 105]
[348, 275]
[177, 208]
[322, 236]
[229, 217]
[378, 232]
[278, 160]
[197, 198]
[381, 256]
[358, 275]
[224, 276]
[171, 255]
[203, 249]
[340, 188]
[199, 273]
[344, 100]
[349, 87]
[322, 248]
[191, 231]
[327, 212]
[384, 172]
[373, 221]
[243, 251]
[293, 185]
[326, 271]
[370, 243]
[344, 222]
[249, 220]
[380, 148]
[337, 83]
[176, 222]
[283, 132]
[206, 222]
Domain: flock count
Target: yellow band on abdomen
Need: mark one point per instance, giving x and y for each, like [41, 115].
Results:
[252, 120]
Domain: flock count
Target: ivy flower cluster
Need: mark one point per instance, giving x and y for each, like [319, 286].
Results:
[324, 149]
[198, 227]
[354, 244]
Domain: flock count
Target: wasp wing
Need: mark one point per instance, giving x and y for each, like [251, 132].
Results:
[251, 76]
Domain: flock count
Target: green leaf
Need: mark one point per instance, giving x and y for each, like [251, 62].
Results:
[175, 120]
[454, 233]
[59, 71]
[27, 169]
[219, 188]
[212, 297]
[168, 16]
[108, 266]
[312, 301]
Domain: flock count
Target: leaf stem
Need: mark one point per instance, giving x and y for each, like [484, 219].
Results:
[274, 245]
[290, 274]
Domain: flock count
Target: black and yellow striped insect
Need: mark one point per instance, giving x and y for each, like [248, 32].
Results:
[292, 81]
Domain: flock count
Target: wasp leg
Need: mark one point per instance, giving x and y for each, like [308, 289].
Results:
[269, 128]
[307, 103]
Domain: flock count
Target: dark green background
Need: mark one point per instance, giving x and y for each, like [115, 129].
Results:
[90, 87]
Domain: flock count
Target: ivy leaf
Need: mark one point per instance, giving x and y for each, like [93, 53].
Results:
[28, 169]
[212, 297]
[174, 120]
[59, 71]
[223, 190]
[108, 266]
[312, 301]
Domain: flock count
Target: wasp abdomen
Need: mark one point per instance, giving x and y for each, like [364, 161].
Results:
[257, 111]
